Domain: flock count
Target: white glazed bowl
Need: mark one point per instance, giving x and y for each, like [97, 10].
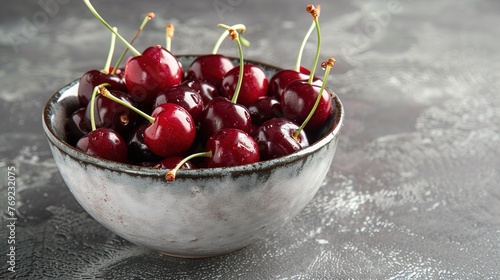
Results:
[204, 212]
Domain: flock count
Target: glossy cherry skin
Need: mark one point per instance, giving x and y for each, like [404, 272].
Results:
[253, 86]
[104, 143]
[172, 132]
[231, 147]
[207, 91]
[138, 150]
[298, 100]
[93, 78]
[150, 73]
[110, 114]
[75, 125]
[281, 79]
[185, 96]
[264, 109]
[275, 138]
[171, 162]
[209, 68]
[221, 113]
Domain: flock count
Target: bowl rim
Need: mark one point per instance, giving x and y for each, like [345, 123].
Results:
[186, 173]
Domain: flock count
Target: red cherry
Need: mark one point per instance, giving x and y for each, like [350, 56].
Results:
[185, 96]
[75, 125]
[221, 113]
[207, 91]
[298, 100]
[152, 72]
[138, 150]
[110, 114]
[93, 78]
[209, 68]
[275, 138]
[104, 143]
[231, 147]
[172, 132]
[264, 109]
[281, 79]
[253, 87]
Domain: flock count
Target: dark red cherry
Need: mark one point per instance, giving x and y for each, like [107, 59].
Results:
[171, 162]
[264, 109]
[185, 96]
[298, 100]
[110, 114]
[253, 87]
[231, 147]
[281, 79]
[275, 138]
[206, 90]
[209, 68]
[104, 143]
[221, 113]
[138, 150]
[75, 125]
[93, 78]
[152, 72]
[172, 132]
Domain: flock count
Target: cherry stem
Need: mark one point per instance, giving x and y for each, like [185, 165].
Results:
[96, 14]
[233, 35]
[315, 14]
[105, 92]
[148, 17]
[223, 36]
[111, 52]
[327, 66]
[170, 176]
[169, 32]
[303, 45]
[92, 105]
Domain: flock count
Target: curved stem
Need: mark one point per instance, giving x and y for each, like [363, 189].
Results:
[148, 17]
[104, 92]
[170, 176]
[318, 48]
[234, 99]
[111, 51]
[303, 45]
[96, 14]
[223, 36]
[316, 103]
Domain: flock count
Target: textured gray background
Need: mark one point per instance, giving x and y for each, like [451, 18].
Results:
[414, 188]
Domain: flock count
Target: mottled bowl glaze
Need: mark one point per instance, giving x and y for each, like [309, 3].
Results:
[204, 212]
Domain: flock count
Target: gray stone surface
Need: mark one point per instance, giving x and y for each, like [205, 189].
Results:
[414, 188]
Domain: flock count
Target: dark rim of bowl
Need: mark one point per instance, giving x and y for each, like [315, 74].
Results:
[187, 173]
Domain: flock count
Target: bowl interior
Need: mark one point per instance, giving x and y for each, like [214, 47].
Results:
[65, 101]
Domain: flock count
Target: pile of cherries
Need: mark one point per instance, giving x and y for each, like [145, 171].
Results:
[154, 112]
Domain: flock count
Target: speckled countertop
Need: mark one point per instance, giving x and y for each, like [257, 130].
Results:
[413, 192]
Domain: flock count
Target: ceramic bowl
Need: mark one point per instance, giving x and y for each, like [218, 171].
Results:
[204, 212]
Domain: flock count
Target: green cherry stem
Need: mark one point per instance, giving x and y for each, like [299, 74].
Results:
[170, 176]
[233, 35]
[148, 17]
[241, 27]
[303, 45]
[314, 11]
[105, 92]
[92, 105]
[111, 51]
[169, 34]
[327, 65]
[96, 14]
